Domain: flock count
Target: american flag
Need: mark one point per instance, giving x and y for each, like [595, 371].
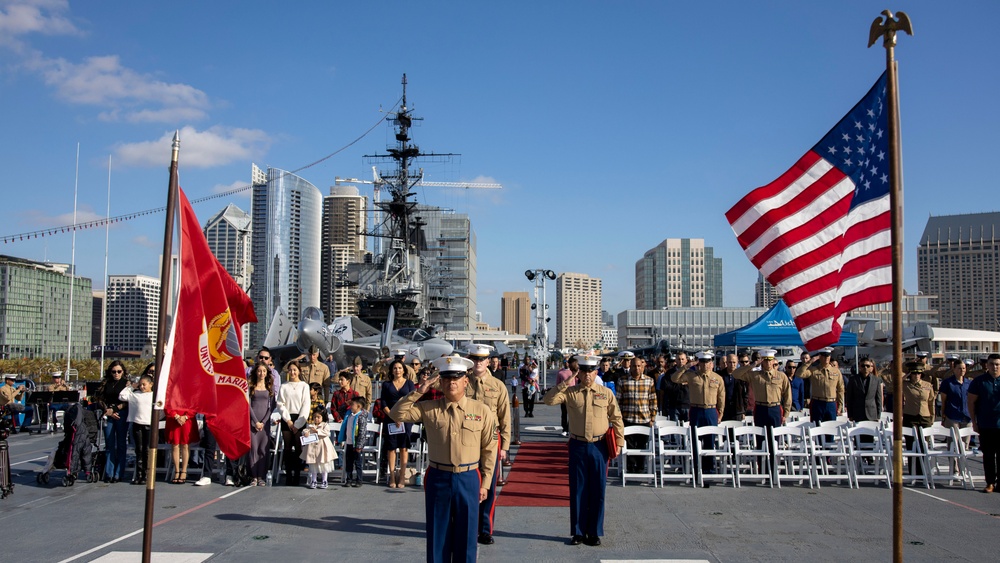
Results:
[820, 232]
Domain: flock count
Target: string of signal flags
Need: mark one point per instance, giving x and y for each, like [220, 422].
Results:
[19, 237]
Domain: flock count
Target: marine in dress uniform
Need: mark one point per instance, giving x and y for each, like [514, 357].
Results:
[316, 372]
[918, 403]
[360, 381]
[462, 449]
[592, 410]
[492, 392]
[708, 397]
[771, 389]
[827, 387]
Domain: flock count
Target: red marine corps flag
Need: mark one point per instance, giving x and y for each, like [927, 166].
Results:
[204, 360]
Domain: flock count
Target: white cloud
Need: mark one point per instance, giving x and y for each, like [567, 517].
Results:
[216, 146]
[239, 184]
[43, 221]
[143, 240]
[104, 81]
[20, 17]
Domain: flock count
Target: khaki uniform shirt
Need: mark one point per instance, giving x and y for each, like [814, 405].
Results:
[827, 384]
[936, 374]
[458, 434]
[705, 389]
[361, 383]
[9, 394]
[316, 372]
[885, 374]
[918, 398]
[770, 387]
[590, 410]
[493, 393]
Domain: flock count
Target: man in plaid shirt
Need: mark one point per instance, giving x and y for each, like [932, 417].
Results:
[637, 401]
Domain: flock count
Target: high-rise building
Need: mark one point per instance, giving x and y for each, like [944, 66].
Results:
[287, 213]
[228, 235]
[515, 310]
[691, 329]
[958, 260]
[578, 311]
[448, 252]
[678, 272]
[133, 309]
[35, 310]
[344, 212]
[764, 295]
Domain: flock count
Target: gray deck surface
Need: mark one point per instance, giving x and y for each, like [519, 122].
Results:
[281, 524]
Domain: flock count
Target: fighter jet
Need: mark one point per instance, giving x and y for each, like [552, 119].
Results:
[348, 337]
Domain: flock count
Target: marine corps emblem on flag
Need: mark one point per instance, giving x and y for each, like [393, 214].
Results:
[220, 333]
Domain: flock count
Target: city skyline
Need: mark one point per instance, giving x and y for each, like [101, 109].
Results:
[731, 115]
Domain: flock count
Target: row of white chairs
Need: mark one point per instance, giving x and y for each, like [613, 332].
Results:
[831, 451]
[371, 453]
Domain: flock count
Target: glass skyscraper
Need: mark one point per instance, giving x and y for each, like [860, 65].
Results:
[287, 213]
[678, 273]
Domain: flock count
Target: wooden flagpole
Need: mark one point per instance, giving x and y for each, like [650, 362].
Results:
[161, 341]
[886, 29]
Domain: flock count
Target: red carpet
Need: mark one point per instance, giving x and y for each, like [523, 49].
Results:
[539, 476]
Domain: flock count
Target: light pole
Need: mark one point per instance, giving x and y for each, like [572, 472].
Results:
[541, 336]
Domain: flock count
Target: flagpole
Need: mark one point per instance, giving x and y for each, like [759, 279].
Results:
[887, 31]
[161, 342]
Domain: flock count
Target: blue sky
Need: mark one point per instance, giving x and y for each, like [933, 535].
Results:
[611, 125]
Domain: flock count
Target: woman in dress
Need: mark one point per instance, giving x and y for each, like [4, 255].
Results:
[116, 424]
[293, 405]
[397, 387]
[181, 431]
[261, 406]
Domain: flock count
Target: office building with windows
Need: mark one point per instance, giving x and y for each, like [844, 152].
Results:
[132, 312]
[344, 214]
[35, 310]
[958, 262]
[515, 309]
[678, 272]
[578, 311]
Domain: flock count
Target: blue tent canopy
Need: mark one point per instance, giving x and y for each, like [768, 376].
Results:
[774, 328]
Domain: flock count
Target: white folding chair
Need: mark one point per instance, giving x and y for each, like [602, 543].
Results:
[869, 459]
[840, 424]
[334, 428]
[830, 455]
[371, 453]
[719, 449]
[914, 453]
[869, 424]
[647, 455]
[676, 458]
[418, 450]
[800, 423]
[886, 419]
[941, 444]
[730, 424]
[751, 451]
[968, 446]
[791, 455]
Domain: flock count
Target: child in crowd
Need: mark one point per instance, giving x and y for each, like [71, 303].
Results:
[340, 401]
[316, 397]
[320, 453]
[140, 414]
[352, 434]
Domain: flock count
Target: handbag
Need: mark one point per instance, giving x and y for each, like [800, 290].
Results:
[611, 442]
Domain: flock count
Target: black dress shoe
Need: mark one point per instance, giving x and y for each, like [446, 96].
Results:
[577, 540]
[592, 540]
[486, 539]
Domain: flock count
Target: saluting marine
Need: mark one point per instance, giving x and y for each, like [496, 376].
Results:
[771, 389]
[827, 384]
[462, 449]
[591, 409]
[491, 391]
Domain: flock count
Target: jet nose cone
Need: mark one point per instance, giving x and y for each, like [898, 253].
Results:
[434, 349]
